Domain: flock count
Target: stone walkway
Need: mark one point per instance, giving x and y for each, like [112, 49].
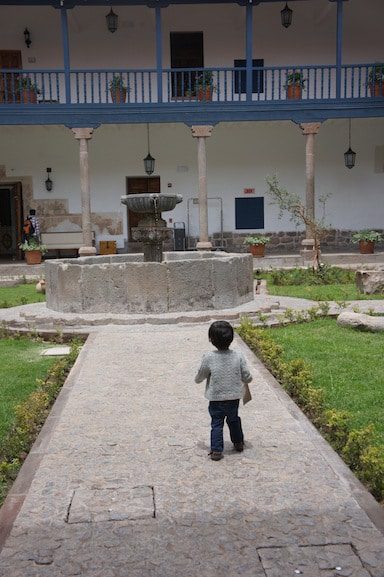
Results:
[122, 485]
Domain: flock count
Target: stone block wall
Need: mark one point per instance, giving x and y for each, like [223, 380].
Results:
[289, 242]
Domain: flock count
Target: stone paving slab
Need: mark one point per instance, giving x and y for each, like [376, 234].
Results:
[124, 486]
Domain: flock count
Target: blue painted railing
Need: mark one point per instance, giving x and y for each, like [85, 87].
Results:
[222, 85]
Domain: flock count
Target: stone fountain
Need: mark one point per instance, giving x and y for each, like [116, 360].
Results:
[152, 229]
[150, 282]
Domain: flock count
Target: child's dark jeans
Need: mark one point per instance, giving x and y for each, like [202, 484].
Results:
[219, 410]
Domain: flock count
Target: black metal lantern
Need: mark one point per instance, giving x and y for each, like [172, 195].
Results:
[27, 37]
[112, 20]
[49, 182]
[149, 161]
[286, 16]
[349, 155]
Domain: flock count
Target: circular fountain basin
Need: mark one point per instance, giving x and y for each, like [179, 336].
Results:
[123, 284]
[151, 202]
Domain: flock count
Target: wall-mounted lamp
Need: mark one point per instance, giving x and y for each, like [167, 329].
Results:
[27, 37]
[112, 21]
[149, 161]
[286, 16]
[349, 155]
[49, 182]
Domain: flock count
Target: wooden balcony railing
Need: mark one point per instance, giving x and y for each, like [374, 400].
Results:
[188, 86]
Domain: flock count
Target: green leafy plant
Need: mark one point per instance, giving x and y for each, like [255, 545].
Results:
[204, 79]
[117, 83]
[295, 78]
[25, 83]
[256, 239]
[376, 74]
[33, 244]
[367, 235]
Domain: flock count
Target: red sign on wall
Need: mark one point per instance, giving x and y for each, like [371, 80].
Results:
[249, 191]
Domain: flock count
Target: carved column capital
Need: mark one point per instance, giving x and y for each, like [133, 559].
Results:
[81, 133]
[201, 131]
[310, 127]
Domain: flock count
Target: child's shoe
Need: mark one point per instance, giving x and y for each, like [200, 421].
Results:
[216, 455]
[239, 446]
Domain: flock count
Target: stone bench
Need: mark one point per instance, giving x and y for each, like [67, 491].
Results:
[58, 241]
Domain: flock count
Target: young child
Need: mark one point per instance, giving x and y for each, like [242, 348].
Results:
[225, 370]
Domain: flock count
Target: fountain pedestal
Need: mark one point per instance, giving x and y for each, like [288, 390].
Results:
[152, 230]
[152, 239]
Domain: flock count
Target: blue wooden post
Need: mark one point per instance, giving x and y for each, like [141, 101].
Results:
[249, 49]
[339, 46]
[159, 55]
[65, 39]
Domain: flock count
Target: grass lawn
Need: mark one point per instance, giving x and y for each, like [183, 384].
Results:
[346, 363]
[20, 366]
[20, 294]
[339, 292]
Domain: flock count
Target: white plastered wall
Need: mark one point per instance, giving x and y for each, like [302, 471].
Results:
[239, 156]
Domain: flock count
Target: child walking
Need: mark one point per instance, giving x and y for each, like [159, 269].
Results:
[225, 370]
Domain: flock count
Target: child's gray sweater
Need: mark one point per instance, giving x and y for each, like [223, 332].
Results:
[225, 371]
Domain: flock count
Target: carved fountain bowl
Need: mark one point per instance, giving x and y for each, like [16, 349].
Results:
[151, 202]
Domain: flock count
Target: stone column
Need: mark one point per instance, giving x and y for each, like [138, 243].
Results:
[309, 130]
[83, 135]
[201, 133]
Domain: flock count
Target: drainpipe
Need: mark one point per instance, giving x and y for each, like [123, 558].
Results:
[65, 38]
[249, 49]
[159, 55]
[339, 46]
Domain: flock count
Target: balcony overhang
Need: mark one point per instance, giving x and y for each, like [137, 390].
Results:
[210, 113]
[151, 3]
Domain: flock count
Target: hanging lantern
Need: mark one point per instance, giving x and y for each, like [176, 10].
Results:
[49, 182]
[149, 161]
[286, 16]
[27, 37]
[349, 155]
[112, 21]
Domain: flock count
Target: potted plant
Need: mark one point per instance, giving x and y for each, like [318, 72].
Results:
[27, 90]
[118, 89]
[256, 244]
[366, 240]
[33, 250]
[204, 85]
[376, 80]
[294, 85]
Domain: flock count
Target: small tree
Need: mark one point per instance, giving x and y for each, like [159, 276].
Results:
[291, 202]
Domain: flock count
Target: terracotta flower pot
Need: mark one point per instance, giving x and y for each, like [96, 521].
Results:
[377, 89]
[204, 94]
[33, 256]
[257, 249]
[119, 95]
[366, 246]
[28, 96]
[294, 92]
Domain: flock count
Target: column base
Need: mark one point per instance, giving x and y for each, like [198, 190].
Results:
[87, 251]
[204, 245]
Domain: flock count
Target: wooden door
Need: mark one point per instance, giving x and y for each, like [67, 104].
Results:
[186, 52]
[139, 185]
[11, 219]
[8, 81]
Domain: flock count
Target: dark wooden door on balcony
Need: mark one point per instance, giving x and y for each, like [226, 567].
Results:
[139, 185]
[8, 82]
[187, 51]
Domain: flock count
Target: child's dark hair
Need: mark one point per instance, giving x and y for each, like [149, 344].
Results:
[220, 334]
